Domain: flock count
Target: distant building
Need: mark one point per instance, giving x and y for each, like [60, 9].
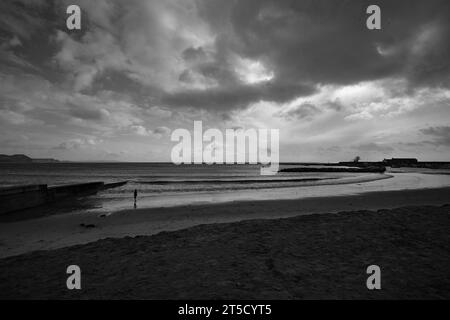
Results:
[401, 162]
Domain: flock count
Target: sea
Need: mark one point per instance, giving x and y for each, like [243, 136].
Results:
[167, 184]
[157, 178]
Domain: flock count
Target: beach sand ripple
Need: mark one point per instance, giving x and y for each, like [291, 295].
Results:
[305, 257]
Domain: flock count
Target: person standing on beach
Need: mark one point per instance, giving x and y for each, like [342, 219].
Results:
[135, 197]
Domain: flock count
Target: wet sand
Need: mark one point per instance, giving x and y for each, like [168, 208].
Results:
[70, 229]
[326, 188]
[318, 256]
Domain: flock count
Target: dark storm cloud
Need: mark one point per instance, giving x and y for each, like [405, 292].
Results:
[193, 54]
[161, 130]
[302, 43]
[304, 110]
[441, 135]
[21, 18]
[31, 22]
[335, 105]
[236, 97]
[328, 42]
[316, 42]
[138, 65]
[86, 113]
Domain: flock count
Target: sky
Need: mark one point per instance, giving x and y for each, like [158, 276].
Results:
[137, 70]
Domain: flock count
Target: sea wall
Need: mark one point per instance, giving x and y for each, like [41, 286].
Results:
[114, 184]
[373, 169]
[24, 197]
[19, 198]
[59, 192]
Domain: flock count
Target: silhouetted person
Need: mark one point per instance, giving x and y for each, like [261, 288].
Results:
[135, 197]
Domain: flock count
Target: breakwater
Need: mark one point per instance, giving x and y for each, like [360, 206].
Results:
[30, 196]
[373, 169]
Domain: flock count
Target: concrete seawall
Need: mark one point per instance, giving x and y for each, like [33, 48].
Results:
[59, 192]
[19, 198]
[24, 197]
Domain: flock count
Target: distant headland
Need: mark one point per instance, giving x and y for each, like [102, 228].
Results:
[21, 158]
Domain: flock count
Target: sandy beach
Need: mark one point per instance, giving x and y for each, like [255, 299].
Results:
[57, 231]
[311, 242]
[319, 256]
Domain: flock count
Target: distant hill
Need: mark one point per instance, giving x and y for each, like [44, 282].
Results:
[21, 158]
[15, 158]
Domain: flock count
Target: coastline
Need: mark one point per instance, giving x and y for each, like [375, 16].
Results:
[327, 188]
[319, 256]
[58, 231]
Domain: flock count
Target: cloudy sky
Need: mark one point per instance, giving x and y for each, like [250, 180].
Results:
[139, 69]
